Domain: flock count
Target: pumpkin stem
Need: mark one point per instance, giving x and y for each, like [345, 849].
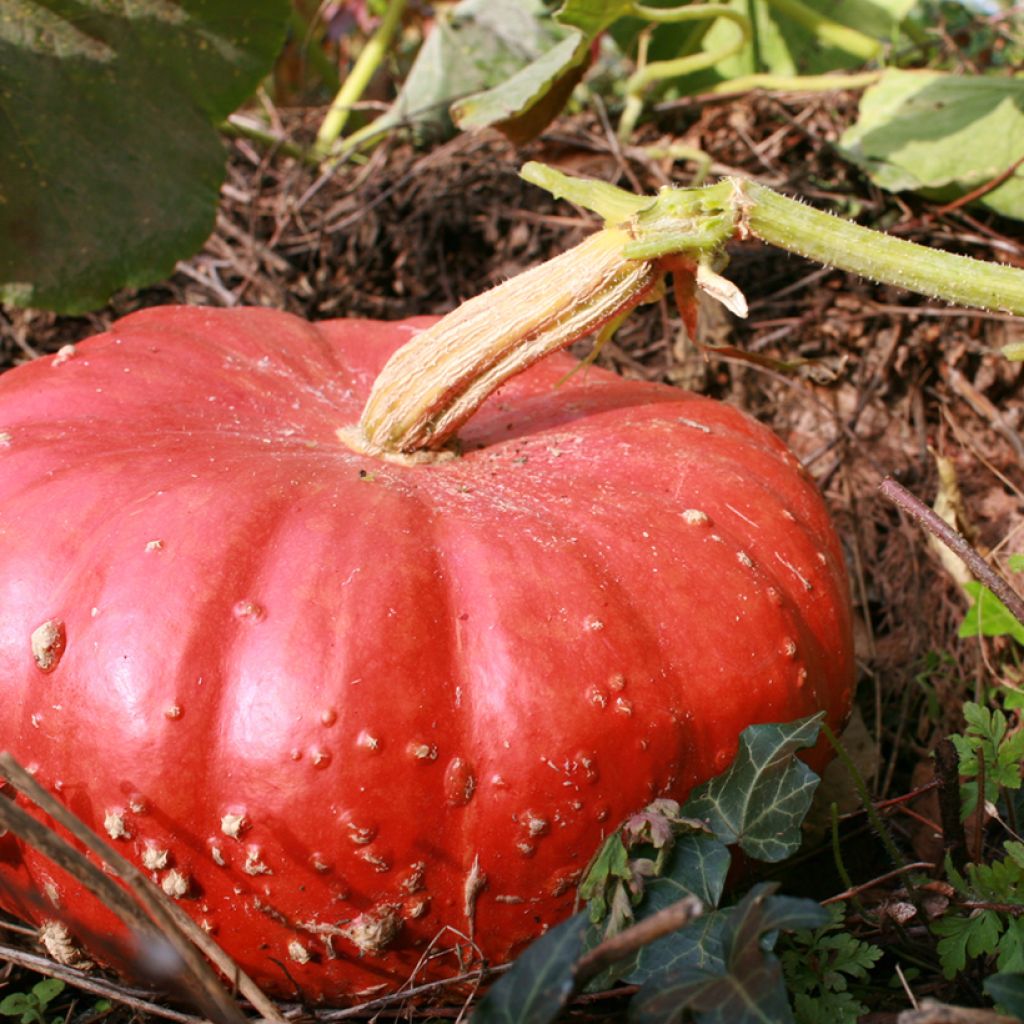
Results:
[432, 385]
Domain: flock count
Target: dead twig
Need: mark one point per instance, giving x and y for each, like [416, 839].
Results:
[956, 542]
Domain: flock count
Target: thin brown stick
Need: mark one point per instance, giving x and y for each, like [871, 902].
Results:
[932, 1012]
[956, 542]
[673, 917]
[173, 925]
[856, 890]
[136, 999]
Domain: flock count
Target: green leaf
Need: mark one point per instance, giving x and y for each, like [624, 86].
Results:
[1011, 947]
[748, 986]
[476, 45]
[988, 616]
[818, 965]
[540, 982]
[592, 17]
[610, 865]
[943, 134]
[16, 1004]
[47, 990]
[761, 799]
[1007, 990]
[962, 938]
[698, 867]
[525, 103]
[111, 165]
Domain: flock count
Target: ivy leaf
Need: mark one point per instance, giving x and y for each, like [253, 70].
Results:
[747, 988]
[761, 799]
[698, 867]
[1007, 990]
[111, 165]
[540, 982]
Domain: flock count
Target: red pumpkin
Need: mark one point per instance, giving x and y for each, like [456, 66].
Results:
[346, 711]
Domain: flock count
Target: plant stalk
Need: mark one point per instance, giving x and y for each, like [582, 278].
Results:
[358, 78]
[432, 385]
[429, 388]
[839, 243]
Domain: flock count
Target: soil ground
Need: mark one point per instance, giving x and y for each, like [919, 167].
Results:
[862, 381]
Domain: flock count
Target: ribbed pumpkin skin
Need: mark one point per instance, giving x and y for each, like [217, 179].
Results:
[356, 702]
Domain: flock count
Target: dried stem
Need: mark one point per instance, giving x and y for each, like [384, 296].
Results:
[947, 772]
[957, 543]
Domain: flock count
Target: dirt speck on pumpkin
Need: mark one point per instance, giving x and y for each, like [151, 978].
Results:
[368, 741]
[64, 353]
[175, 883]
[422, 751]
[254, 864]
[115, 825]
[154, 858]
[234, 823]
[154, 545]
[248, 611]
[51, 892]
[361, 834]
[55, 938]
[5, 439]
[413, 880]
[48, 643]
[298, 952]
[371, 933]
[459, 782]
[475, 882]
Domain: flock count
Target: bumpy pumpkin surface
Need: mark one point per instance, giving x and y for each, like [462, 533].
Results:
[346, 711]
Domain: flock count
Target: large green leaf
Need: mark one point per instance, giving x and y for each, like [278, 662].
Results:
[476, 46]
[744, 984]
[942, 134]
[698, 867]
[761, 799]
[524, 104]
[111, 165]
[541, 981]
[1008, 991]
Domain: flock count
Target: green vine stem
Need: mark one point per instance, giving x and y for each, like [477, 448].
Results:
[647, 74]
[358, 78]
[830, 240]
[828, 32]
[831, 82]
[437, 381]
